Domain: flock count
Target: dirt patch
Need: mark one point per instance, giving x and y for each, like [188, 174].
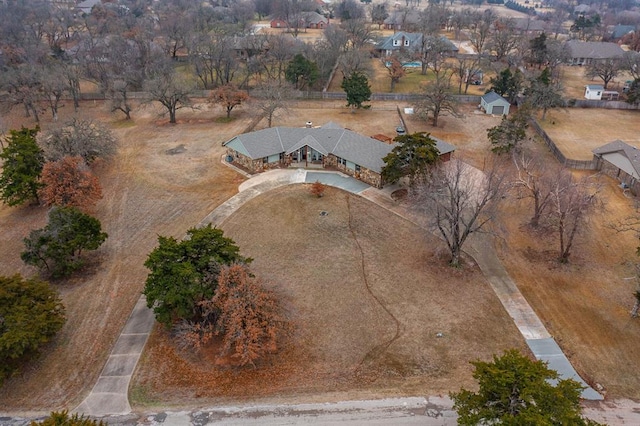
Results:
[347, 281]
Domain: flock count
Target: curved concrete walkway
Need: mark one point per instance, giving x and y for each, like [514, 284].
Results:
[109, 394]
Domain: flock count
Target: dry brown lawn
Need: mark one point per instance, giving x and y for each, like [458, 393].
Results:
[329, 268]
[574, 80]
[147, 192]
[584, 304]
[578, 131]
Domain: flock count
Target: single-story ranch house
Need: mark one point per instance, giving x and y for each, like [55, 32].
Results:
[621, 161]
[327, 146]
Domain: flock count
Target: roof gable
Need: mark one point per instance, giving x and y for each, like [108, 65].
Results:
[593, 49]
[492, 97]
[309, 141]
[622, 155]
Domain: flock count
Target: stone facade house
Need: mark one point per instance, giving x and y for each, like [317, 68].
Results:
[329, 146]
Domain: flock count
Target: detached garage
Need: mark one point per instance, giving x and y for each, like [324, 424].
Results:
[492, 103]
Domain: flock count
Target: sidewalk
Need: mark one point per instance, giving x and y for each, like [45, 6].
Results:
[109, 394]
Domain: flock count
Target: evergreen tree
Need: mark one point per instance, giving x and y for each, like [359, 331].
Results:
[31, 313]
[301, 72]
[357, 89]
[411, 157]
[58, 247]
[633, 94]
[507, 84]
[22, 162]
[184, 273]
[517, 391]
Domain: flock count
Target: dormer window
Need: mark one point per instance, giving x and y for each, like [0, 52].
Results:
[396, 42]
[406, 42]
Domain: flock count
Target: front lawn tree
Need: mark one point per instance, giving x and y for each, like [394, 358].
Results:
[229, 96]
[534, 179]
[79, 138]
[31, 313]
[357, 89]
[58, 247]
[184, 273]
[412, 157]
[250, 317]
[517, 391]
[22, 162]
[458, 200]
[69, 182]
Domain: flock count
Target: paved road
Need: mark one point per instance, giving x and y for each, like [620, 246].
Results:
[109, 395]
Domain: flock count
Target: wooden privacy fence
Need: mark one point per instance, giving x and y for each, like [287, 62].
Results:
[587, 103]
[567, 162]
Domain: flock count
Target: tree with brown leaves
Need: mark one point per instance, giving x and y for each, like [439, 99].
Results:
[229, 96]
[317, 189]
[69, 182]
[395, 69]
[250, 317]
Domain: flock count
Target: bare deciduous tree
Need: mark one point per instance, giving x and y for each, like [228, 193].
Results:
[84, 138]
[272, 99]
[458, 200]
[170, 90]
[571, 202]
[606, 70]
[534, 179]
[436, 99]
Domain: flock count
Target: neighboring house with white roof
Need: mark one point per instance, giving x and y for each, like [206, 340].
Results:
[328, 146]
[621, 161]
[585, 52]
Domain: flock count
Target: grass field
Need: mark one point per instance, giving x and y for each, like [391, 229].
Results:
[326, 266]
